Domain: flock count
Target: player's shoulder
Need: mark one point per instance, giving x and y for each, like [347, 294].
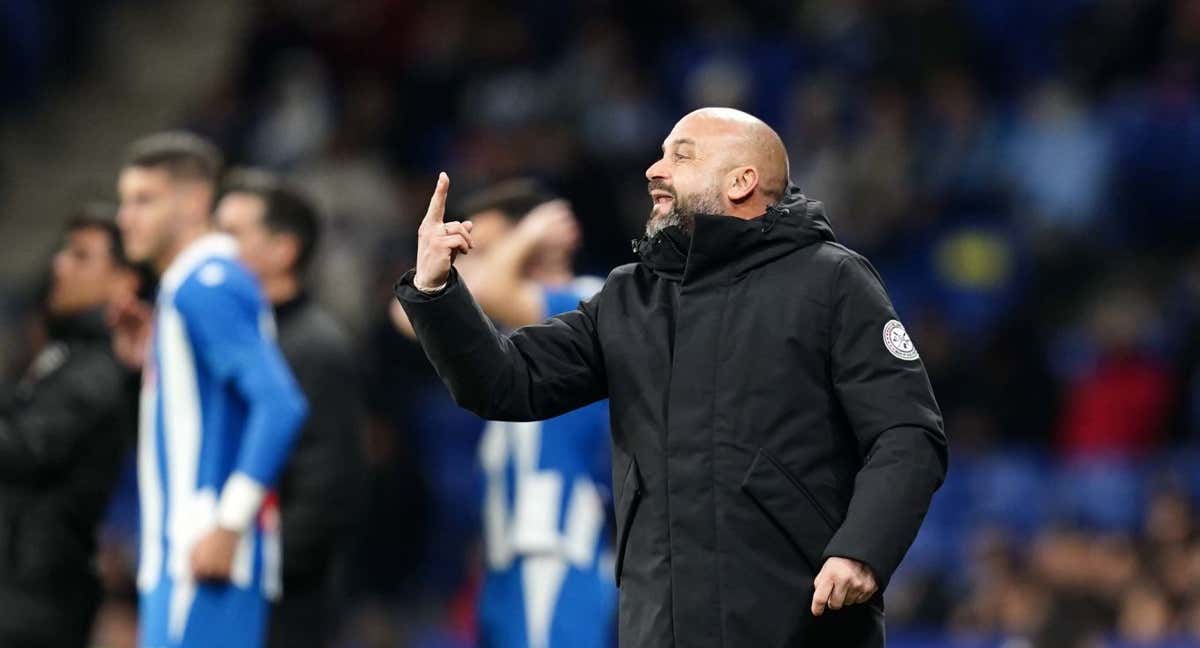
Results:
[584, 286]
[619, 280]
[218, 280]
[220, 274]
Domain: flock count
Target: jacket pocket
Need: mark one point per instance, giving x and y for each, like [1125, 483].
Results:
[631, 494]
[791, 506]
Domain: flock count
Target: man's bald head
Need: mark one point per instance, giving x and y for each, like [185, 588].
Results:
[751, 143]
[717, 161]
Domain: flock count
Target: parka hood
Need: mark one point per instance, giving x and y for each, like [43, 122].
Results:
[723, 244]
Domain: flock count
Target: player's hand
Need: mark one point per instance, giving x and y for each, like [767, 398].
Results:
[550, 226]
[212, 557]
[129, 319]
[438, 242]
[842, 582]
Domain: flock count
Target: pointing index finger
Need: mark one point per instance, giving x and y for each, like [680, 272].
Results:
[821, 596]
[437, 204]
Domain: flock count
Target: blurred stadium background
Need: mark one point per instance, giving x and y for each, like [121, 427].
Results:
[1022, 172]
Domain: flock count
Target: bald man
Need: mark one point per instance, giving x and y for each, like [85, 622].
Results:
[776, 442]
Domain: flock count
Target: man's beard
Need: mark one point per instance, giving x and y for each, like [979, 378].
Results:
[683, 210]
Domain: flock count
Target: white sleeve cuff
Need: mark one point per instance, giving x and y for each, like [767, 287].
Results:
[240, 501]
[431, 291]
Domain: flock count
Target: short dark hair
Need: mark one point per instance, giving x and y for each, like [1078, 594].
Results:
[184, 155]
[101, 216]
[513, 198]
[286, 209]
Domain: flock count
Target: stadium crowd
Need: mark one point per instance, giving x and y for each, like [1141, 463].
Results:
[1021, 174]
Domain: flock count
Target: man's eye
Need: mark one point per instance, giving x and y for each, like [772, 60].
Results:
[680, 156]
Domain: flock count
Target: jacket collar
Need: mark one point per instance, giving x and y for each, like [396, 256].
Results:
[725, 246]
[197, 252]
[287, 310]
[88, 325]
[665, 253]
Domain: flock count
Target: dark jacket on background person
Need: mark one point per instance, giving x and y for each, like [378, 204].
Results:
[319, 489]
[768, 412]
[62, 436]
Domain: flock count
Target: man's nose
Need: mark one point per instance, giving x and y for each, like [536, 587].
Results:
[657, 170]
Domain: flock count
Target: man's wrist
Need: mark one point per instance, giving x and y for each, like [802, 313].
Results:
[429, 290]
[240, 500]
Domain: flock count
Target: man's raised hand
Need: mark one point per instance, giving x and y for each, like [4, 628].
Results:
[438, 242]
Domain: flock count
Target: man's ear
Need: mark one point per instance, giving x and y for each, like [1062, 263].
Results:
[742, 182]
[199, 199]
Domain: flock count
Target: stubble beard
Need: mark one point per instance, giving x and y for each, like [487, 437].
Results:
[683, 212]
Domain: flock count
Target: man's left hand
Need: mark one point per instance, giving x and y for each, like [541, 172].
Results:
[212, 557]
[842, 582]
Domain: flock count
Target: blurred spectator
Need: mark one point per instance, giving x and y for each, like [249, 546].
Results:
[277, 232]
[877, 182]
[1059, 158]
[1145, 615]
[296, 120]
[1118, 406]
[61, 436]
[959, 165]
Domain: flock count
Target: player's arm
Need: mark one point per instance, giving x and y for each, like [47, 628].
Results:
[225, 325]
[500, 285]
[498, 282]
[42, 436]
[887, 397]
[536, 373]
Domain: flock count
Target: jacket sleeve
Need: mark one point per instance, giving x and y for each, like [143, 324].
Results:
[230, 342]
[536, 373]
[885, 394]
[43, 434]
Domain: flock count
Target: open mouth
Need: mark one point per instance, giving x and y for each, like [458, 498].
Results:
[662, 197]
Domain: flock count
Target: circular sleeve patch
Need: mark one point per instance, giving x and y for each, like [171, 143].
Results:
[211, 274]
[896, 339]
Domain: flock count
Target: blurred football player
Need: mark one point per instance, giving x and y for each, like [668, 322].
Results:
[277, 230]
[548, 558]
[219, 410]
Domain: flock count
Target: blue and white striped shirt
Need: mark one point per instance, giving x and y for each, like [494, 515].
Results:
[219, 412]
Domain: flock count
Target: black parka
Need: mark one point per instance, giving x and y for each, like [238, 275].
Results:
[62, 436]
[768, 411]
